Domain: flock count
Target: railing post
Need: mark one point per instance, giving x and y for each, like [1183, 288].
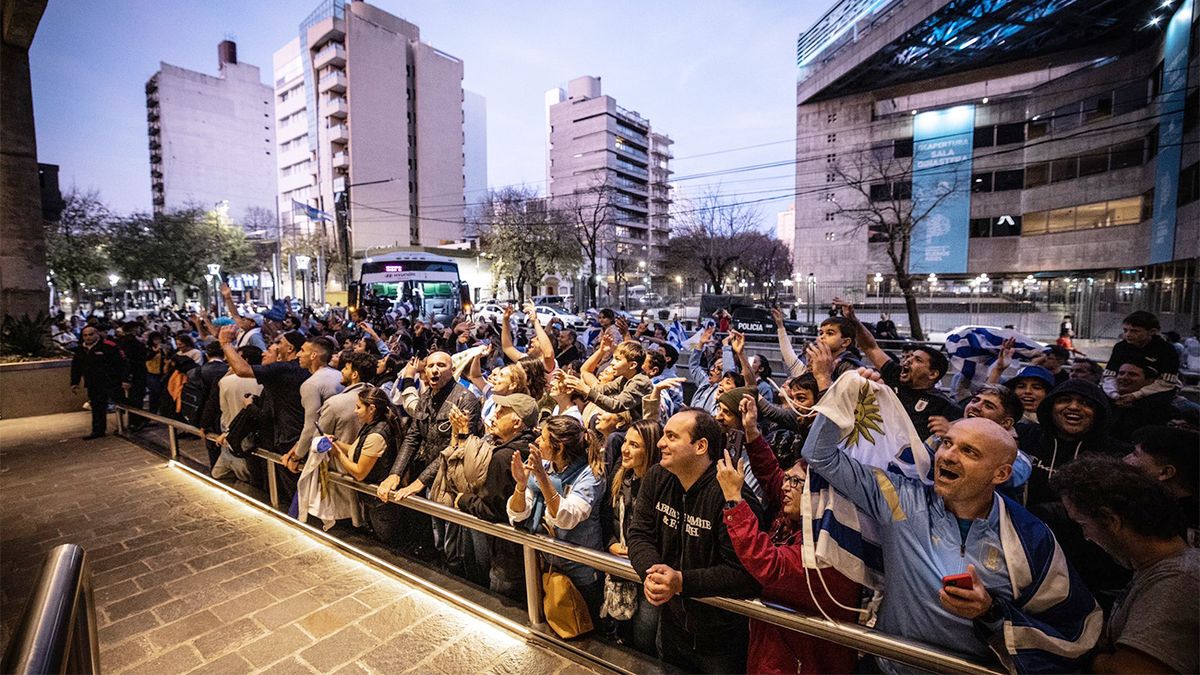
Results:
[173, 441]
[533, 585]
[272, 484]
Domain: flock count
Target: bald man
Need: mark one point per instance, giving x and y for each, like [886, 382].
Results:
[427, 435]
[960, 525]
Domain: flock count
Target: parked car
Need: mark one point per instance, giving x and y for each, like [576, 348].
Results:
[548, 313]
[489, 311]
[552, 300]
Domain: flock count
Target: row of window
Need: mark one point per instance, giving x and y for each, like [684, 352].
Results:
[295, 91]
[297, 168]
[296, 143]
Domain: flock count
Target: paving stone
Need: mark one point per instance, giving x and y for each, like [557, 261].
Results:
[329, 619]
[268, 599]
[128, 627]
[183, 630]
[179, 660]
[228, 637]
[289, 666]
[275, 644]
[243, 605]
[339, 648]
[230, 663]
[288, 610]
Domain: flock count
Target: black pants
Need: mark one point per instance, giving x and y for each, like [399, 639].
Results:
[98, 399]
[696, 654]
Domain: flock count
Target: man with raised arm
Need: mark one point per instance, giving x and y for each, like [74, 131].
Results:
[967, 569]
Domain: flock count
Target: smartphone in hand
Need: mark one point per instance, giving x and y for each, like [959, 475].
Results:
[962, 581]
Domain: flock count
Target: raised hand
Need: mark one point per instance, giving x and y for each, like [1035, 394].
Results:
[737, 341]
[748, 409]
[777, 317]
[731, 477]
[669, 383]
[846, 308]
[520, 472]
[820, 362]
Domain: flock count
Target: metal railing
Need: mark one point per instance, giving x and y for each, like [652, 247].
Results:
[854, 636]
[57, 631]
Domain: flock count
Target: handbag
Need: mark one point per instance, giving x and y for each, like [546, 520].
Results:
[620, 598]
[243, 427]
[566, 612]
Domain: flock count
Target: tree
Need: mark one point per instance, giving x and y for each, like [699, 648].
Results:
[526, 238]
[712, 234]
[881, 189]
[766, 259]
[317, 245]
[592, 217]
[177, 245]
[75, 244]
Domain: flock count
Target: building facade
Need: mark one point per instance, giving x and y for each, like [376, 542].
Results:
[212, 139]
[1045, 151]
[370, 127]
[598, 150]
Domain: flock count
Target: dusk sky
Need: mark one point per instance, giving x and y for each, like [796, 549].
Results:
[716, 76]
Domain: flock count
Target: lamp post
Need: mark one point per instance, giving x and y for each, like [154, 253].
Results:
[878, 289]
[932, 280]
[812, 298]
[302, 265]
[214, 269]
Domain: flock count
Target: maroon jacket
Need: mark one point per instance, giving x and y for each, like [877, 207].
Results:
[779, 568]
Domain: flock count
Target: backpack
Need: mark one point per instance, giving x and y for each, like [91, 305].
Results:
[245, 427]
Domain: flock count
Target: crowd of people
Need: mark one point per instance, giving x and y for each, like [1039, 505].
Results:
[1054, 529]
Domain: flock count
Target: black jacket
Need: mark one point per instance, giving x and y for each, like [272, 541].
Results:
[200, 387]
[490, 504]
[429, 432]
[102, 367]
[686, 531]
[1049, 449]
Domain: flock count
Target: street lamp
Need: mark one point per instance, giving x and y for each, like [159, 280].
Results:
[214, 270]
[302, 265]
[878, 288]
[932, 279]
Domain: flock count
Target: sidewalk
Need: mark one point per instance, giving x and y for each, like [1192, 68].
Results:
[189, 579]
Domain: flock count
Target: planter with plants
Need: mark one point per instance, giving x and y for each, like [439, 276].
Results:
[34, 371]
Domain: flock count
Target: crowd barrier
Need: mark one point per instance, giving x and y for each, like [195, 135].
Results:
[57, 631]
[865, 640]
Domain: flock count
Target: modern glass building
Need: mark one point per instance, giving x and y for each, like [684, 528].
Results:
[1045, 152]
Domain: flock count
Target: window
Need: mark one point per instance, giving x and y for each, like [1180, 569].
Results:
[830, 177]
[1191, 111]
[1125, 155]
[980, 228]
[981, 182]
[1152, 144]
[985, 137]
[1088, 216]
[1010, 133]
[902, 190]
[1037, 174]
[1007, 226]
[1189, 185]
[1148, 204]
[1035, 222]
[831, 118]
[1064, 169]
[902, 147]
[1061, 220]
[1093, 163]
[831, 138]
[829, 216]
[1013, 179]
[1037, 128]
[830, 158]
[1126, 211]
[1098, 107]
[1066, 118]
[1130, 97]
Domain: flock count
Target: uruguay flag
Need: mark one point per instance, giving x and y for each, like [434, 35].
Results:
[973, 350]
[676, 335]
[312, 212]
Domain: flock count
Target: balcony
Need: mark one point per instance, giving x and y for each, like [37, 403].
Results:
[156, 158]
[633, 118]
[341, 161]
[152, 114]
[335, 82]
[154, 144]
[630, 168]
[338, 133]
[331, 28]
[631, 151]
[337, 107]
[332, 54]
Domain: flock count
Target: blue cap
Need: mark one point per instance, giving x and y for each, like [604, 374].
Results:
[1036, 372]
[222, 321]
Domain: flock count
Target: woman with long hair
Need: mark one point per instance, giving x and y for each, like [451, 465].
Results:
[635, 619]
[558, 492]
[371, 455]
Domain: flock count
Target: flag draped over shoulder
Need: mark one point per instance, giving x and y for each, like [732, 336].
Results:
[973, 349]
[875, 430]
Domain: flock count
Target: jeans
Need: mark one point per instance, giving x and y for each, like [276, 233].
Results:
[700, 654]
[641, 630]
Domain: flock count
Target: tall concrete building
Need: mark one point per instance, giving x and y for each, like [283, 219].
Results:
[212, 139]
[367, 110]
[594, 142]
[1047, 149]
[475, 176]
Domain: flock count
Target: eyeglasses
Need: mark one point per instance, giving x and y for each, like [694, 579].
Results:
[793, 482]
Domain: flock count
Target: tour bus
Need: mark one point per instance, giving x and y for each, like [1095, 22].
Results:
[429, 283]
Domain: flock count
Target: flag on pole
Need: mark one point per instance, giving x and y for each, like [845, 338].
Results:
[312, 212]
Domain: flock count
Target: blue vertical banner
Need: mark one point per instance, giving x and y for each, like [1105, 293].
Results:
[1170, 135]
[943, 141]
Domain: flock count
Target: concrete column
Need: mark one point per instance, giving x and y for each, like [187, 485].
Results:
[22, 234]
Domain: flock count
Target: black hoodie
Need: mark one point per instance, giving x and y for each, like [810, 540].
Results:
[1049, 449]
[686, 531]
